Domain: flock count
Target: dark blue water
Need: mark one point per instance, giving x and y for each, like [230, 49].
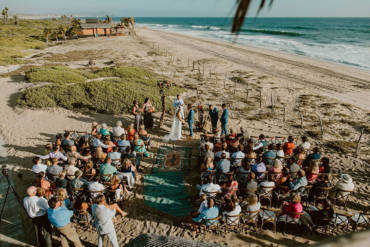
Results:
[340, 40]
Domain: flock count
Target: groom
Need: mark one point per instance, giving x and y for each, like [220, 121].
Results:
[190, 119]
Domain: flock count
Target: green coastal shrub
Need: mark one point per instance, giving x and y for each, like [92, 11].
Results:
[105, 96]
[58, 74]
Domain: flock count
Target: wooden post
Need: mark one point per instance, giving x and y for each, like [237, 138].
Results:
[284, 113]
[322, 128]
[247, 95]
[188, 62]
[193, 65]
[203, 68]
[225, 83]
[260, 99]
[358, 142]
[272, 103]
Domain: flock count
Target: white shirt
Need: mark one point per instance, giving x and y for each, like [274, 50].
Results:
[118, 131]
[55, 155]
[95, 186]
[39, 168]
[35, 206]
[209, 188]
[235, 212]
[70, 171]
[103, 219]
[306, 145]
[218, 154]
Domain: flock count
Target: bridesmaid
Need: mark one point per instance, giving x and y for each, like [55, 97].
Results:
[148, 110]
[136, 111]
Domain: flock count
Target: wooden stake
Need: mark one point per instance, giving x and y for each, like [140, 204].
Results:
[358, 142]
[322, 128]
[284, 114]
[260, 99]
[272, 103]
[300, 113]
[193, 65]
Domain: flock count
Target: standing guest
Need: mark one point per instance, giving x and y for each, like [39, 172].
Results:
[213, 113]
[118, 130]
[38, 165]
[103, 215]
[60, 218]
[224, 119]
[55, 154]
[36, 208]
[54, 170]
[289, 146]
[148, 110]
[191, 119]
[136, 111]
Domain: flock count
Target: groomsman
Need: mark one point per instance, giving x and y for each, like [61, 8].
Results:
[224, 119]
[213, 113]
[191, 119]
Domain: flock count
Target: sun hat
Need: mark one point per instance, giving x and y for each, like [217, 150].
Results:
[346, 178]
[278, 165]
[280, 154]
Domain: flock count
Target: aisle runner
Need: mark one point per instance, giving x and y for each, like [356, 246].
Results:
[167, 192]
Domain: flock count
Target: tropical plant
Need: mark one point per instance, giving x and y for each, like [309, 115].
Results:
[241, 12]
[47, 32]
[62, 30]
[108, 19]
[5, 13]
[15, 20]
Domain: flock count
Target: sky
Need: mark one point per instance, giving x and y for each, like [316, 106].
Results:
[188, 8]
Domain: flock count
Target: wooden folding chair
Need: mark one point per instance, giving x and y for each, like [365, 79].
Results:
[212, 225]
[266, 195]
[269, 215]
[247, 219]
[340, 221]
[232, 223]
[361, 219]
[342, 196]
[305, 195]
[76, 192]
[105, 178]
[323, 195]
[94, 193]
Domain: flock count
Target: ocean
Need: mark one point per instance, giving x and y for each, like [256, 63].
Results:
[339, 40]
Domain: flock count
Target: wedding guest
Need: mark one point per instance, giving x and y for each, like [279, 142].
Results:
[136, 111]
[38, 165]
[118, 131]
[190, 119]
[148, 110]
[213, 113]
[55, 154]
[224, 119]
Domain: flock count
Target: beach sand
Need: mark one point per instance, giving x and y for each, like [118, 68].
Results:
[339, 94]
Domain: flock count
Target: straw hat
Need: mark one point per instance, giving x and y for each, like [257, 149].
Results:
[280, 154]
[277, 164]
[346, 178]
[104, 125]
[119, 123]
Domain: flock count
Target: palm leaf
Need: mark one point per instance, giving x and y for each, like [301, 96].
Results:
[241, 12]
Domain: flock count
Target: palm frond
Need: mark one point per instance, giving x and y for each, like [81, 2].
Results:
[241, 12]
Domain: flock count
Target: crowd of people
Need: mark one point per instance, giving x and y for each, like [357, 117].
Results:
[83, 177]
[247, 179]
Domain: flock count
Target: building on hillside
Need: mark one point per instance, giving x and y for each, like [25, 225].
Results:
[92, 27]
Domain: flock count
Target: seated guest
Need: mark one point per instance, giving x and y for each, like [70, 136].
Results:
[128, 154]
[118, 131]
[316, 190]
[79, 182]
[100, 156]
[139, 146]
[62, 196]
[76, 155]
[252, 184]
[259, 168]
[95, 188]
[280, 155]
[269, 156]
[115, 156]
[208, 215]
[38, 165]
[289, 146]
[128, 171]
[238, 156]
[54, 170]
[306, 145]
[223, 151]
[123, 143]
[36, 208]
[231, 211]
[61, 181]
[60, 218]
[299, 183]
[71, 169]
[253, 205]
[130, 132]
[223, 166]
[323, 216]
[299, 155]
[276, 170]
[324, 165]
[267, 185]
[294, 208]
[43, 183]
[67, 142]
[55, 154]
[261, 144]
[316, 155]
[83, 144]
[313, 172]
[94, 129]
[58, 141]
[107, 169]
[208, 168]
[232, 186]
[143, 134]
[109, 143]
[208, 153]
[98, 142]
[209, 188]
[294, 168]
[89, 170]
[342, 187]
[103, 215]
[206, 142]
[116, 190]
[104, 130]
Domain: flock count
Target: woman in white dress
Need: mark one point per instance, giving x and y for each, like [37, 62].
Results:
[176, 128]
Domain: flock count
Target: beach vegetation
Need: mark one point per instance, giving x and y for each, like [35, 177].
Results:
[111, 96]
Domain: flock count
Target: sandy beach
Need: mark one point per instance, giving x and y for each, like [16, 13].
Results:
[213, 72]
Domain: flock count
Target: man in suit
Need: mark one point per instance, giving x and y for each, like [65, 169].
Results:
[191, 119]
[224, 119]
[213, 113]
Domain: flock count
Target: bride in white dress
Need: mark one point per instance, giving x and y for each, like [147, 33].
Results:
[176, 128]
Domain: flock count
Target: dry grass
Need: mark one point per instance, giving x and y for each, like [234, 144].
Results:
[77, 55]
[342, 146]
